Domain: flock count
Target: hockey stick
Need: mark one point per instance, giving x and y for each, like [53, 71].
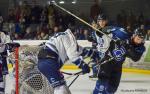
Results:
[78, 74]
[74, 74]
[97, 30]
[99, 64]
[67, 73]
[73, 80]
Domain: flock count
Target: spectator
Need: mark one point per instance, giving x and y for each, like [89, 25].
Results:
[22, 20]
[119, 19]
[44, 16]
[51, 18]
[51, 21]
[95, 10]
[44, 36]
[86, 34]
[81, 35]
[42, 33]
[35, 13]
[16, 36]
[56, 29]
[75, 33]
[141, 18]
[11, 16]
[60, 19]
[61, 28]
[148, 34]
[29, 34]
[131, 19]
[129, 29]
[17, 13]
[1, 22]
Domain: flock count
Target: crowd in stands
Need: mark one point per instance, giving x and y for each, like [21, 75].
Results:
[34, 22]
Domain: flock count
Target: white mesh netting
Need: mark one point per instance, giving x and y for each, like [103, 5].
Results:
[31, 81]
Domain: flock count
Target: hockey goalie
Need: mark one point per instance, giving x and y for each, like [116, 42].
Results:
[5, 46]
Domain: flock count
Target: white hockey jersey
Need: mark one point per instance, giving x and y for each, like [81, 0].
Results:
[2, 47]
[65, 45]
[103, 44]
[4, 38]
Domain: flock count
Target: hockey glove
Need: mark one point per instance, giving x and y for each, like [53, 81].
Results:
[11, 46]
[81, 64]
[92, 53]
[85, 68]
[96, 56]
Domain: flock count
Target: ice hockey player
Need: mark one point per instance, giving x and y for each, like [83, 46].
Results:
[4, 38]
[52, 56]
[99, 43]
[109, 74]
[5, 45]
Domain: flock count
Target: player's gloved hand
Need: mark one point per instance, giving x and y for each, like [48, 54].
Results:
[85, 68]
[95, 56]
[92, 53]
[81, 64]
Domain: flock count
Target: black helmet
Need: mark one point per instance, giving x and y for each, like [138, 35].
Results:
[139, 32]
[101, 17]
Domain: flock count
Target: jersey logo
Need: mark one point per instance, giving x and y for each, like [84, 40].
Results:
[52, 80]
[119, 53]
[101, 88]
[101, 42]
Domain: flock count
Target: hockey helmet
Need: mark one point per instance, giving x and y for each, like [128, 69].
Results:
[101, 17]
[139, 33]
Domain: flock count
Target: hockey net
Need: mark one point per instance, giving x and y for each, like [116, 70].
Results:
[31, 81]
